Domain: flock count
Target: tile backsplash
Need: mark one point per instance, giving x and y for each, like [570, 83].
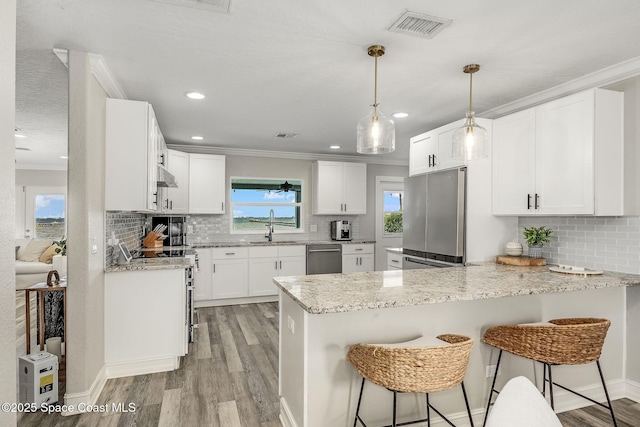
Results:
[602, 243]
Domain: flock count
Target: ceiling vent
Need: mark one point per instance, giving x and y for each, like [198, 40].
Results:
[419, 25]
[220, 6]
[285, 135]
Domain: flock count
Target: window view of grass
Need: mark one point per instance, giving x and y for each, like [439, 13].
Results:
[253, 199]
[49, 216]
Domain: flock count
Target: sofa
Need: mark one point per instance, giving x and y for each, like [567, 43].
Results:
[34, 261]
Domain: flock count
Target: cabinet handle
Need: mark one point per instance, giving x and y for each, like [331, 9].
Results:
[280, 265]
[528, 201]
[276, 264]
[345, 207]
[429, 160]
[214, 268]
[155, 201]
[536, 201]
[162, 159]
[395, 260]
[434, 160]
[222, 206]
[171, 205]
[229, 253]
[167, 206]
[358, 249]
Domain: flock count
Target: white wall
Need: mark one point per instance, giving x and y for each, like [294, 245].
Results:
[368, 221]
[85, 295]
[41, 178]
[7, 208]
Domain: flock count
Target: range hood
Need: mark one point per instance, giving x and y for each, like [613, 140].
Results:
[165, 178]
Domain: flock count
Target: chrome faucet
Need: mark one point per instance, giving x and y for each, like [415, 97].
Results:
[269, 235]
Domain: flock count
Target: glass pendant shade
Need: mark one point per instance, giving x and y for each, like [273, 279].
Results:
[376, 133]
[471, 141]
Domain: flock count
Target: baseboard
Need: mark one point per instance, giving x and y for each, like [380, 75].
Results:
[285, 414]
[90, 397]
[565, 401]
[632, 390]
[234, 301]
[129, 369]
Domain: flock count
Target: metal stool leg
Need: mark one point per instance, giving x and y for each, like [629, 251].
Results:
[493, 387]
[395, 397]
[355, 421]
[466, 402]
[550, 386]
[606, 393]
[428, 412]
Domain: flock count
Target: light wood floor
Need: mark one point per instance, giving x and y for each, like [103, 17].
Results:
[230, 379]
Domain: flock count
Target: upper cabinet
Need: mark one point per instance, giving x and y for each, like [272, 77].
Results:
[206, 184]
[431, 151]
[131, 156]
[176, 199]
[564, 157]
[339, 188]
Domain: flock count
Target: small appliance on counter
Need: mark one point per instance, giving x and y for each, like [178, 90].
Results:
[341, 230]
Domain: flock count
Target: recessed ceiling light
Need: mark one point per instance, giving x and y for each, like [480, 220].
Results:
[64, 157]
[194, 95]
[334, 147]
[19, 135]
[197, 138]
[400, 115]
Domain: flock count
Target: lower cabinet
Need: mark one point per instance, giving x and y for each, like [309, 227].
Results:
[267, 262]
[357, 258]
[241, 272]
[394, 261]
[144, 321]
[229, 278]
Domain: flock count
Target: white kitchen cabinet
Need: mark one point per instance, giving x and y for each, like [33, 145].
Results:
[145, 315]
[206, 184]
[431, 151]
[131, 159]
[357, 258]
[175, 200]
[229, 278]
[564, 157]
[203, 276]
[394, 261]
[267, 262]
[339, 188]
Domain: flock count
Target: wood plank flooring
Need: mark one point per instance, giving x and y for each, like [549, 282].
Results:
[230, 379]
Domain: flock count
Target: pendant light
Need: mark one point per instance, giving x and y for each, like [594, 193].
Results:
[376, 132]
[470, 141]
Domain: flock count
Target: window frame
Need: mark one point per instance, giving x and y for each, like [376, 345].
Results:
[233, 205]
[385, 233]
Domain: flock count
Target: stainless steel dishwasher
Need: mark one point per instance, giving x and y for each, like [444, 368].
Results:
[323, 258]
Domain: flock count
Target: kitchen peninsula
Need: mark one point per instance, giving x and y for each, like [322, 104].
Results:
[322, 315]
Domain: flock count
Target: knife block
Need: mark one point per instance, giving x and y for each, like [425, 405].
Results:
[151, 240]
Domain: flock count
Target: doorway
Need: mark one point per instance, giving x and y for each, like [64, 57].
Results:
[389, 200]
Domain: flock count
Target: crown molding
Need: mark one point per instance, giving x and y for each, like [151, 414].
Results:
[604, 77]
[100, 70]
[190, 148]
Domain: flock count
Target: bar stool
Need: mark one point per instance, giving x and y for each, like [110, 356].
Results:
[416, 366]
[575, 341]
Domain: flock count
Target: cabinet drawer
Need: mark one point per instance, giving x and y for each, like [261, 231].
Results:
[229, 253]
[295, 250]
[394, 260]
[263, 252]
[356, 249]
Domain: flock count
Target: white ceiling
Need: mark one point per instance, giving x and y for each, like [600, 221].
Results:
[301, 66]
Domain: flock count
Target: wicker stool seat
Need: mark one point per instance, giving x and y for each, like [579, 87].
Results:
[573, 341]
[413, 368]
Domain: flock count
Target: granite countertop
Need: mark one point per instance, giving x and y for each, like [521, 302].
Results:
[277, 243]
[140, 264]
[335, 293]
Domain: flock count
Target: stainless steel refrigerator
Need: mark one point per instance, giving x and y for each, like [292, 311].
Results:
[434, 219]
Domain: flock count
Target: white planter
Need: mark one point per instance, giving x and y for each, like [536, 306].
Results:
[60, 264]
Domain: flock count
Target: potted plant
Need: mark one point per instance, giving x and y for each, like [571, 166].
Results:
[60, 260]
[535, 238]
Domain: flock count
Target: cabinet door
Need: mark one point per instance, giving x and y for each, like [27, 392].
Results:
[230, 278]
[203, 276]
[261, 274]
[355, 188]
[292, 266]
[366, 262]
[420, 149]
[153, 140]
[327, 188]
[564, 155]
[444, 159]
[206, 184]
[177, 199]
[350, 263]
[514, 144]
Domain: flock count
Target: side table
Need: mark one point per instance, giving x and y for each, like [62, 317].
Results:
[41, 288]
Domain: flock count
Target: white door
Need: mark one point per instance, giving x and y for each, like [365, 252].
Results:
[45, 212]
[389, 199]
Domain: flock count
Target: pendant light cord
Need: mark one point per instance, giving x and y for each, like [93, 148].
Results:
[470, 91]
[375, 83]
